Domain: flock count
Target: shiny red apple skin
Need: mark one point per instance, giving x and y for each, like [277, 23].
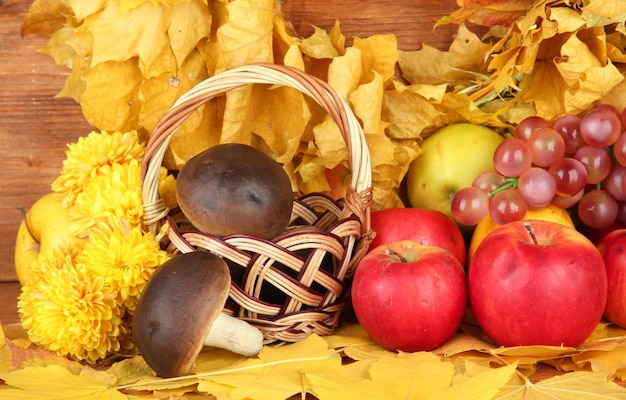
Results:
[426, 226]
[551, 292]
[613, 250]
[408, 296]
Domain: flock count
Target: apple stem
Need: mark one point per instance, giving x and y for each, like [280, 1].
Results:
[26, 224]
[531, 231]
[396, 254]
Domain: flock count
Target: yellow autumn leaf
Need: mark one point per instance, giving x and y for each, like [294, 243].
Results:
[594, 85]
[366, 100]
[575, 59]
[244, 34]
[399, 110]
[277, 373]
[612, 362]
[487, 13]
[45, 17]
[570, 386]
[351, 382]
[319, 45]
[130, 370]
[408, 374]
[345, 72]
[483, 385]
[56, 382]
[568, 20]
[465, 57]
[111, 97]
[62, 46]
[608, 8]
[379, 53]
[188, 24]
[138, 33]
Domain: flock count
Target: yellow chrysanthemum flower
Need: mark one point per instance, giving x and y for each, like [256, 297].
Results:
[115, 193]
[125, 258]
[167, 188]
[91, 155]
[72, 311]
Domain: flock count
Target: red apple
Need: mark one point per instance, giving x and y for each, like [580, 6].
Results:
[613, 250]
[429, 227]
[537, 283]
[408, 296]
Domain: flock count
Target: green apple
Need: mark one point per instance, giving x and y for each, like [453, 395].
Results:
[450, 160]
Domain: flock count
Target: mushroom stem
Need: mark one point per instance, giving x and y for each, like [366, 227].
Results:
[236, 335]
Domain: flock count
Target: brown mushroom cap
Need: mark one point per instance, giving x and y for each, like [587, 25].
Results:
[234, 188]
[177, 309]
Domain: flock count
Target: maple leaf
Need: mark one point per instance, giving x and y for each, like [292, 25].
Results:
[573, 385]
[37, 383]
[487, 12]
[45, 17]
[274, 375]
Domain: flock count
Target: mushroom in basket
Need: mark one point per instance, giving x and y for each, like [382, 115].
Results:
[180, 311]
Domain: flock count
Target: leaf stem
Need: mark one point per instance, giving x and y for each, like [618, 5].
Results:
[224, 371]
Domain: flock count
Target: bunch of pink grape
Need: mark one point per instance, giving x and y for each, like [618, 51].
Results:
[577, 163]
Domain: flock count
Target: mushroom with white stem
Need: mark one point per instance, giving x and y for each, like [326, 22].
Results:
[180, 311]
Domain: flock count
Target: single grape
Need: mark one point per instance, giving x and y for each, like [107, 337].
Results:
[610, 107]
[536, 187]
[470, 205]
[596, 160]
[597, 209]
[546, 146]
[619, 149]
[507, 206]
[488, 181]
[568, 127]
[528, 125]
[512, 157]
[614, 182]
[600, 127]
[623, 118]
[570, 176]
[568, 201]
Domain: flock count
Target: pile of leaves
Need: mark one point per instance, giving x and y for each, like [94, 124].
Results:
[130, 60]
[558, 57]
[345, 365]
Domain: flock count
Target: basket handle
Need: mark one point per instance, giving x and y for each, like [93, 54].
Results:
[359, 196]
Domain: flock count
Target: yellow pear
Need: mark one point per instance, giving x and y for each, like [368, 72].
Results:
[45, 227]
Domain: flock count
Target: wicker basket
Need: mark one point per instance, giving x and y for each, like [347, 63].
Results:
[298, 283]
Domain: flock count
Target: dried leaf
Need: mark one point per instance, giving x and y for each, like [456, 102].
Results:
[44, 17]
[245, 36]
[111, 96]
[189, 23]
[277, 373]
[487, 13]
[140, 32]
[319, 45]
[465, 57]
[56, 382]
[574, 386]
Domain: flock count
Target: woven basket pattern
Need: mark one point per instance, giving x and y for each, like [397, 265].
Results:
[297, 283]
